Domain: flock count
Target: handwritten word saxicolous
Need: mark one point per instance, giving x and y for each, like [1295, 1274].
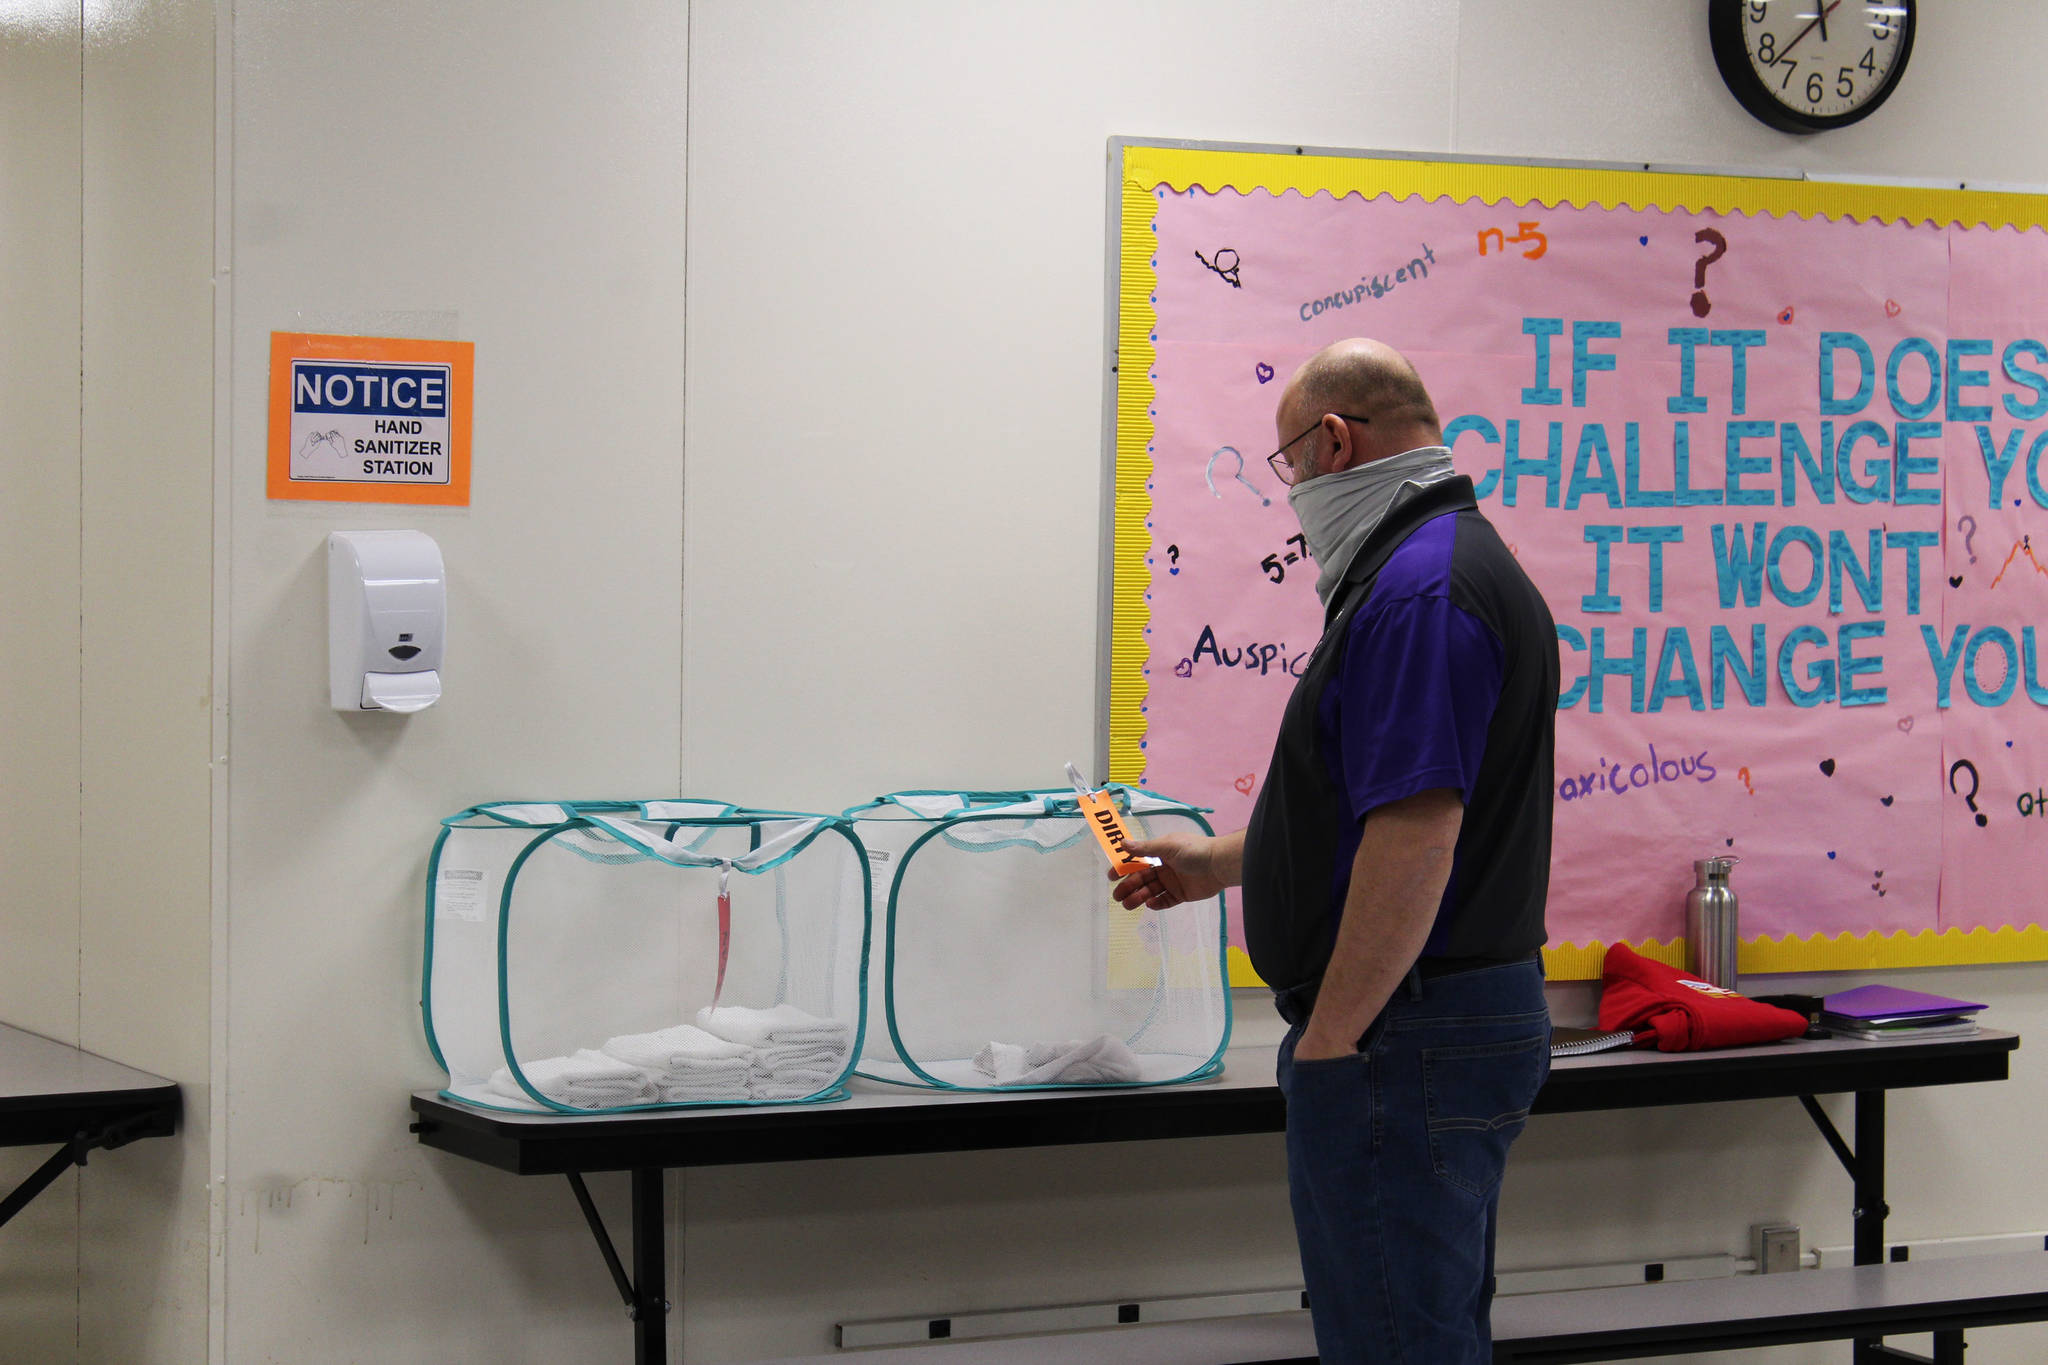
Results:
[1617, 779]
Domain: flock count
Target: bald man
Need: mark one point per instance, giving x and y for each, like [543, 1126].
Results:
[1395, 869]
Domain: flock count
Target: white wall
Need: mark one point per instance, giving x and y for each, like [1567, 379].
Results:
[896, 301]
[512, 177]
[41, 106]
[106, 157]
[856, 550]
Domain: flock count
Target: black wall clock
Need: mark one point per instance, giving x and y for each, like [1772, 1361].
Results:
[1805, 66]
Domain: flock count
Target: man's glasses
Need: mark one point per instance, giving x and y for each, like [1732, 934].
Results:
[1283, 468]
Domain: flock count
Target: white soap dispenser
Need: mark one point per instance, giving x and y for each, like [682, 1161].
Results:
[387, 613]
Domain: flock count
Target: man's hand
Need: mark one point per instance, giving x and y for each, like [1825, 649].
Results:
[1191, 868]
[1315, 1045]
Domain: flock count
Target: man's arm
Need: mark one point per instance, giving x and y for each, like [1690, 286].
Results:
[1397, 884]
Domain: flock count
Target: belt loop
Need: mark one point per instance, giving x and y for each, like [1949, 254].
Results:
[1414, 982]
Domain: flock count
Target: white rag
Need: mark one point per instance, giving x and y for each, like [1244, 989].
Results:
[799, 1058]
[1101, 1060]
[686, 1064]
[794, 1070]
[586, 1079]
[704, 1089]
[784, 1024]
[677, 1048]
[790, 1085]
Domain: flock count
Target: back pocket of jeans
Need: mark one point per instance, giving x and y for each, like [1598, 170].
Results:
[1477, 1100]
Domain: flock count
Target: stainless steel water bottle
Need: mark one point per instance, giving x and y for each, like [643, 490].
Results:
[1711, 926]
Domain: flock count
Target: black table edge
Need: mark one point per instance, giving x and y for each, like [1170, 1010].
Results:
[109, 1118]
[1784, 1330]
[944, 1123]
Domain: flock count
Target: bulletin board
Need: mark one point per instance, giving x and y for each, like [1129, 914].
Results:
[1773, 449]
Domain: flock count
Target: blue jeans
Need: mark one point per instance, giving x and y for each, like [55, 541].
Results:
[1394, 1161]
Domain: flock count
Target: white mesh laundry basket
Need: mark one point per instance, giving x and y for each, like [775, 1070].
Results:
[1005, 963]
[599, 956]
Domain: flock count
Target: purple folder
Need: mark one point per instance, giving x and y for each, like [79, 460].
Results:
[1893, 1002]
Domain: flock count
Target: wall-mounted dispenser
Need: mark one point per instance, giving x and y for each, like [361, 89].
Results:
[387, 615]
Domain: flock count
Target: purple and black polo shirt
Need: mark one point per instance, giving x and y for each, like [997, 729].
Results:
[1438, 667]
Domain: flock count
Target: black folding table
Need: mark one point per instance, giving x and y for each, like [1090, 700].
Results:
[51, 1092]
[884, 1120]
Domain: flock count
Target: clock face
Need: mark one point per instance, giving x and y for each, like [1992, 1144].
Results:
[1810, 65]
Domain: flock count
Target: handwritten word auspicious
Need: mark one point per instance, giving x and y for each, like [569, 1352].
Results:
[1258, 657]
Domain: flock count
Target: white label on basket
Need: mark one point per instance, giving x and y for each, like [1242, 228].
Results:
[878, 855]
[460, 893]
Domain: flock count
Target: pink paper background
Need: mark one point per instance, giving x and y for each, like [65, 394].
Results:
[1877, 843]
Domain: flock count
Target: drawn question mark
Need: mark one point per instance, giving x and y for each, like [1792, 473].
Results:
[1968, 535]
[1173, 558]
[1970, 796]
[1210, 474]
[1700, 306]
[1743, 773]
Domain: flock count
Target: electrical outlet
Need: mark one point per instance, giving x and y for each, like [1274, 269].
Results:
[1774, 1247]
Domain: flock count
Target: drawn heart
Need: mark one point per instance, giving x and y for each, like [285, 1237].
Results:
[1827, 767]
[1184, 669]
[1644, 240]
[1885, 800]
[1891, 308]
[1956, 581]
[1264, 372]
[1831, 855]
[1245, 784]
[1731, 843]
[1905, 725]
[1786, 316]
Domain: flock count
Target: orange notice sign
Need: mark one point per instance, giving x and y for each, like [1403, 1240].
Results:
[370, 419]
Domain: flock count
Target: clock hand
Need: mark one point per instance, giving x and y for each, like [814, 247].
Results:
[1819, 21]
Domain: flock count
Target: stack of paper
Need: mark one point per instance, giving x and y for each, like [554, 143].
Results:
[1894, 1013]
[1578, 1042]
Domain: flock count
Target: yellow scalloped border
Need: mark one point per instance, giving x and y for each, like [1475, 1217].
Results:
[1843, 952]
[1137, 280]
[1146, 168]
[1582, 187]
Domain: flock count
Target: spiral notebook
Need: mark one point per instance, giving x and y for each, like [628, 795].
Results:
[1578, 1042]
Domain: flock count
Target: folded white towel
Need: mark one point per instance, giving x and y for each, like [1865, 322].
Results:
[677, 1048]
[790, 1085]
[783, 1058]
[704, 1089]
[586, 1079]
[783, 1024]
[1101, 1060]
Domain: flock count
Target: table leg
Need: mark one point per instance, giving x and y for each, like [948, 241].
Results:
[1870, 1206]
[650, 1281]
[63, 1159]
[1868, 1217]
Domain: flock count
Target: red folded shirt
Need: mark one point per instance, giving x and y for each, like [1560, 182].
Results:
[1681, 1012]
